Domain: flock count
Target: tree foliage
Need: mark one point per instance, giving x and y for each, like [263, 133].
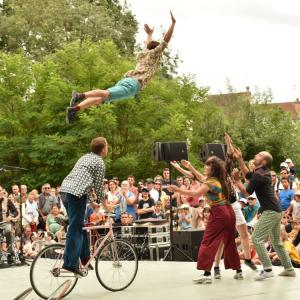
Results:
[42, 27]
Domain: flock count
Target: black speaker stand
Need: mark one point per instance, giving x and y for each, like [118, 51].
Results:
[173, 248]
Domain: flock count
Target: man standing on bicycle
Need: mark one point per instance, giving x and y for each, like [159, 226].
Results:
[8, 212]
[88, 173]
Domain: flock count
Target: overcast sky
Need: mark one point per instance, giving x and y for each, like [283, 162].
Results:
[250, 42]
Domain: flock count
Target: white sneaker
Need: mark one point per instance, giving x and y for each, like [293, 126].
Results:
[263, 275]
[289, 273]
[203, 279]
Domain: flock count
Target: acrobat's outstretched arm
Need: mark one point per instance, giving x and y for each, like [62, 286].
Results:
[149, 32]
[169, 33]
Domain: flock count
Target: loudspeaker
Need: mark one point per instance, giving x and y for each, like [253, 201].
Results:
[208, 150]
[188, 241]
[168, 151]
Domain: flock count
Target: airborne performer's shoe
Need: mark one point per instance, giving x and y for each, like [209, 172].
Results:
[70, 114]
[76, 99]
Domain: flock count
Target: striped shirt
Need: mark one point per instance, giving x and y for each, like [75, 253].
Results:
[215, 194]
[88, 173]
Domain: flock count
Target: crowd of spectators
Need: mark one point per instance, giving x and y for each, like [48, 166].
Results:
[44, 218]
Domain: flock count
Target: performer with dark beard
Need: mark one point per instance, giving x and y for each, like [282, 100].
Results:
[268, 225]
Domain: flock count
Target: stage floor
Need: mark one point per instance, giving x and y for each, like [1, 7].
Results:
[166, 280]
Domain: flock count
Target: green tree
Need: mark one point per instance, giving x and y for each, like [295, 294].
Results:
[42, 27]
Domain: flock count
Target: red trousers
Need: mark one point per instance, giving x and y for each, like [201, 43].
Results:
[220, 227]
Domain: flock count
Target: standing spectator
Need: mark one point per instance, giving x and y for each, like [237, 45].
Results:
[291, 167]
[162, 196]
[284, 174]
[132, 188]
[179, 181]
[30, 213]
[16, 192]
[286, 195]
[146, 205]
[23, 193]
[8, 213]
[46, 202]
[112, 196]
[154, 194]
[126, 202]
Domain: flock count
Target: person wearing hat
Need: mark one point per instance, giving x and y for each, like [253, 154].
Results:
[184, 217]
[291, 166]
[294, 208]
[150, 187]
[252, 208]
[146, 205]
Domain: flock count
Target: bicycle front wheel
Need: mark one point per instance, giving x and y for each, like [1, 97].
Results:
[46, 275]
[116, 265]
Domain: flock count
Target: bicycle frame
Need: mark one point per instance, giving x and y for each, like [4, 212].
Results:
[110, 234]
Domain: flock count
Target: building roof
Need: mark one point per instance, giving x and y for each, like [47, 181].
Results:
[291, 107]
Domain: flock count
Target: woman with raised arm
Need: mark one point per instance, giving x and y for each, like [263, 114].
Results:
[221, 223]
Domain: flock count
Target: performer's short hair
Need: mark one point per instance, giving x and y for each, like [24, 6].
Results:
[98, 144]
[152, 45]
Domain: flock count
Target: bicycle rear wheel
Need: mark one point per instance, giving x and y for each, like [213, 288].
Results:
[45, 272]
[116, 265]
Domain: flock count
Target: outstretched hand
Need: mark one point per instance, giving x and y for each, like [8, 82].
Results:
[148, 30]
[236, 174]
[185, 163]
[173, 188]
[172, 18]
[175, 164]
[237, 153]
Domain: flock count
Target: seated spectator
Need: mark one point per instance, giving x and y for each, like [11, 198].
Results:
[184, 217]
[30, 213]
[243, 202]
[251, 209]
[290, 248]
[97, 217]
[158, 214]
[54, 223]
[286, 195]
[294, 208]
[28, 248]
[253, 254]
[145, 205]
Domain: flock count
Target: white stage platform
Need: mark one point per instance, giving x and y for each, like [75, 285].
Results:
[166, 281]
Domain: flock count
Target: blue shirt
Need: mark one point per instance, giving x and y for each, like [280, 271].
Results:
[124, 207]
[285, 197]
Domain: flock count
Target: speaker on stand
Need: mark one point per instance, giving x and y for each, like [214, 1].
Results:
[169, 151]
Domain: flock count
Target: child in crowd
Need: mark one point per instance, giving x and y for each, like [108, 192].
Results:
[254, 256]
[97, 217]
[158, 214]
[184, 217]
[205, 215]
